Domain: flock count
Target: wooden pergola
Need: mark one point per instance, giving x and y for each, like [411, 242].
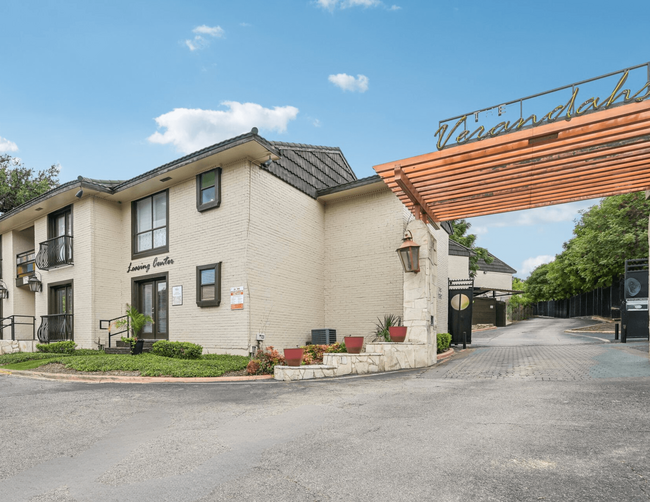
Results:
[596, 155]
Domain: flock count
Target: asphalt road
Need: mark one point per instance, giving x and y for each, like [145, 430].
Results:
[550, 421]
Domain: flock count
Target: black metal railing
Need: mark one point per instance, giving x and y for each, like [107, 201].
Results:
[55, 252]
[24, 267]
[109, 324]
[11, 323]
[56, 328]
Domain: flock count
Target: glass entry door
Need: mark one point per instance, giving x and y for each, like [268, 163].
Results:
[152, 301]
[60, 319]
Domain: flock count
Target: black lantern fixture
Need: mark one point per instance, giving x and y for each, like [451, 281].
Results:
[35, 284]
[4, 291]
[409, 253]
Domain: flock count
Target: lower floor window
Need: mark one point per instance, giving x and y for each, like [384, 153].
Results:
[208, 285]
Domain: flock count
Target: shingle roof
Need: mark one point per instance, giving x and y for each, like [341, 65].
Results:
[456, 249]
[310, 168]
[496, 266]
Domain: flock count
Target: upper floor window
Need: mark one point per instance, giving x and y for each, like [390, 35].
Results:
[208, 189]
[149, 225]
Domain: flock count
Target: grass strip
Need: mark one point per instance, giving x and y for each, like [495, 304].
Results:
[27, 365]
[212, 365]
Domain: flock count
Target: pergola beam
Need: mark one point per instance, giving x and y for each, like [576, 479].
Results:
[420, 205]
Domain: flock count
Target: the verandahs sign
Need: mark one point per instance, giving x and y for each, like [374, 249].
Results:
[566, 112]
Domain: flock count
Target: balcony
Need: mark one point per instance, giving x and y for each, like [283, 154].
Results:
[54, 253]
[24, 267]
[56, 328]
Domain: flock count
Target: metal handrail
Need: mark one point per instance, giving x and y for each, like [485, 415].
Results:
[108, 327]
[55, 252]
[57, 327]
[13, 325]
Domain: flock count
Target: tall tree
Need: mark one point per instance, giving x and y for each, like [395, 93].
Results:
[18, 183]
[604, 237]
[460, 235]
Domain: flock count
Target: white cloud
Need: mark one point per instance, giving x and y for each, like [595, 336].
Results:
[192, 129]
[199, 41]
[531, 264]
[478, 230]
[245, 25]
[316, 123]
[7, 146]
[346, 4]
[350, 83]
[213, 31]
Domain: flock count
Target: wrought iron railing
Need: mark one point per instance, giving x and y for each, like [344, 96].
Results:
[109, 325]
[56, 328]
[55, 252]
[11, 323]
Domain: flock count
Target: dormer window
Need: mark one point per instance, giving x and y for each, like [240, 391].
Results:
[149, 225]
[208, 189]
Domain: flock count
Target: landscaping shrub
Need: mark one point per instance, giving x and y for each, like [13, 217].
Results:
[177, 350]
[313, 354]
[57, 347]
[265, 361]
[444, 340]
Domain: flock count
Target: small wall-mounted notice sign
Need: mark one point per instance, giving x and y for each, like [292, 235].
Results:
[177, 295]
[237, 298]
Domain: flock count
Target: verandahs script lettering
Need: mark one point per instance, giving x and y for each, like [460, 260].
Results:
[565, 111]
[146, 267]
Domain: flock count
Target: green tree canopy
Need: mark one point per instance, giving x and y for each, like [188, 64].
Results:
[460, 235]
[604, 237]
[18, 183]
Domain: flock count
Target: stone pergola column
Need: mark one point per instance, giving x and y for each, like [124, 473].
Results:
[420, 293]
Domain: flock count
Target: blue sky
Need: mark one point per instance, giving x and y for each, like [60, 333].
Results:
[112, 89]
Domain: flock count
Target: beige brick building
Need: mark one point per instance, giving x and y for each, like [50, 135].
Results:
[286, 231]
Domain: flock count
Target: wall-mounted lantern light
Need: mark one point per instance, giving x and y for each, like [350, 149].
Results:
[409, 253]
[35, 284]
[4, 291]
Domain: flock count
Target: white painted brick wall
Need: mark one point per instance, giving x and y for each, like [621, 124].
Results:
[285, 262]
[363, 274]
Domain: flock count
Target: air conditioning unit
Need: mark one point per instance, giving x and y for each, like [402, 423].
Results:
[326, 336]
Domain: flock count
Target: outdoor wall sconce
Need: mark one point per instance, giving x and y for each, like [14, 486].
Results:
[409, 253]
[4, 291]
[35, 284]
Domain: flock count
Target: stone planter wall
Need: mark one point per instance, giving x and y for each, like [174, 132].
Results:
[11, 346]
[381, 356]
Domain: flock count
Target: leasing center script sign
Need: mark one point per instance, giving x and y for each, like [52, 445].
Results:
[566, 111]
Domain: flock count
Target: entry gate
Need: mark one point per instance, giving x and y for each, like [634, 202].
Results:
[634, 309]
[461, 298]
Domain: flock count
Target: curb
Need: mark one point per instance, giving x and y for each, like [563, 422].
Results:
[127, 379]
[446, 354]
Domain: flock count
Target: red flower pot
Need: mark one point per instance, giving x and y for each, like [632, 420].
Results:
[397, 333]
[353, 344]
[293, 357]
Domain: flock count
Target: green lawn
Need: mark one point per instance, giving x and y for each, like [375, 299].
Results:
[211, 365]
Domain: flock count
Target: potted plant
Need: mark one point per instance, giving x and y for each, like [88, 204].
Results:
[135, 321]
[383, 327]
[354, 344]
[293, 357]
[397, 332]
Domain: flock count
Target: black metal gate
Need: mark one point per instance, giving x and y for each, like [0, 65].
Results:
[634, 309]
[461, 298]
